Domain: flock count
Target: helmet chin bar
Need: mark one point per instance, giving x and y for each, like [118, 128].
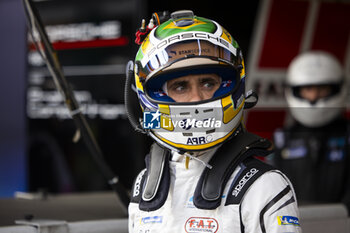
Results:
[308, 114]
[236, 131]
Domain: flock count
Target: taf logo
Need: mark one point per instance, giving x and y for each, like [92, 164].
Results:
[201, 224]
[151, 120]
[288, 220]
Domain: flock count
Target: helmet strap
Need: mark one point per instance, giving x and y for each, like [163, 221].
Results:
[251, 99]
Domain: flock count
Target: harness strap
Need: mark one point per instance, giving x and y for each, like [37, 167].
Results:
[152, 186]
[251, 170]
[157, 175]
[212, 182]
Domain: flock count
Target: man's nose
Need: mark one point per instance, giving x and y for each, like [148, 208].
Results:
[196, 95]
[313, 95]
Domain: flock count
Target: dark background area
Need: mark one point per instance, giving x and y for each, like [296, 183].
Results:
[238, 17]
[37, 153]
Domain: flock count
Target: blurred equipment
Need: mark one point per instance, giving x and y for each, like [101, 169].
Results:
[93, 46]
[65, 207]
[49, 55]
[157, 19]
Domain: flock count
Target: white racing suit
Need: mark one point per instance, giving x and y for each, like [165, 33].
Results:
[252, 201]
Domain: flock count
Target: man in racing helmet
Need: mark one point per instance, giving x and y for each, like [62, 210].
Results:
[314, 149]
[201, 174]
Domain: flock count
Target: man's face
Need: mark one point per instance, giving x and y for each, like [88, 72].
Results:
[315, 92]
[192, 88]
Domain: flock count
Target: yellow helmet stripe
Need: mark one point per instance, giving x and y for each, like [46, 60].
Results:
[229, 111]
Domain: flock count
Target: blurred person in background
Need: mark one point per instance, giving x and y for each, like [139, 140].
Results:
[313, 151]
[202, 176]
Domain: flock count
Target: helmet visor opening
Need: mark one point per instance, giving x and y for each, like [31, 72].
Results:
[189, 57]
[154, 87]
[322, 91]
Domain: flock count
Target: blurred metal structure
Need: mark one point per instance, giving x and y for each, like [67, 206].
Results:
[43, 45]
[54, 226]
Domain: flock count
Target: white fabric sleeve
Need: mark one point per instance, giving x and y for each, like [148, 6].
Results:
[270, 205]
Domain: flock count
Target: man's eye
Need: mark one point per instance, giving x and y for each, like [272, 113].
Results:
[209, 83]
[179, 87]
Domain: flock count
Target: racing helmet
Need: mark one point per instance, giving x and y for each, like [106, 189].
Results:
[188, 45]
[315, 68]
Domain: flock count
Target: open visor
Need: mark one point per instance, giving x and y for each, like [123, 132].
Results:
[189, 58]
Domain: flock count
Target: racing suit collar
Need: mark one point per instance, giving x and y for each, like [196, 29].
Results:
[201, 157]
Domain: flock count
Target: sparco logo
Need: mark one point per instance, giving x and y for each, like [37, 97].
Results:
[201, 224]
[243, 181]
[138, 183]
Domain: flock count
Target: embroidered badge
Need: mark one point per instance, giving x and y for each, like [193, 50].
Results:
[201, 224]
[288, 220]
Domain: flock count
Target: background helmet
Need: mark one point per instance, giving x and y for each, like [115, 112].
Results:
[315, 68]
[183, 45]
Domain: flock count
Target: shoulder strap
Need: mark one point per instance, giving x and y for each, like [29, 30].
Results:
[157, 179]
[252, 169]
[152, 185]
[210, 187]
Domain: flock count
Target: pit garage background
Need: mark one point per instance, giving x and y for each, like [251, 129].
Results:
[94, 40]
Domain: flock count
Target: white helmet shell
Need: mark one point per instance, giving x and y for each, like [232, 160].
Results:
[315, 68]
